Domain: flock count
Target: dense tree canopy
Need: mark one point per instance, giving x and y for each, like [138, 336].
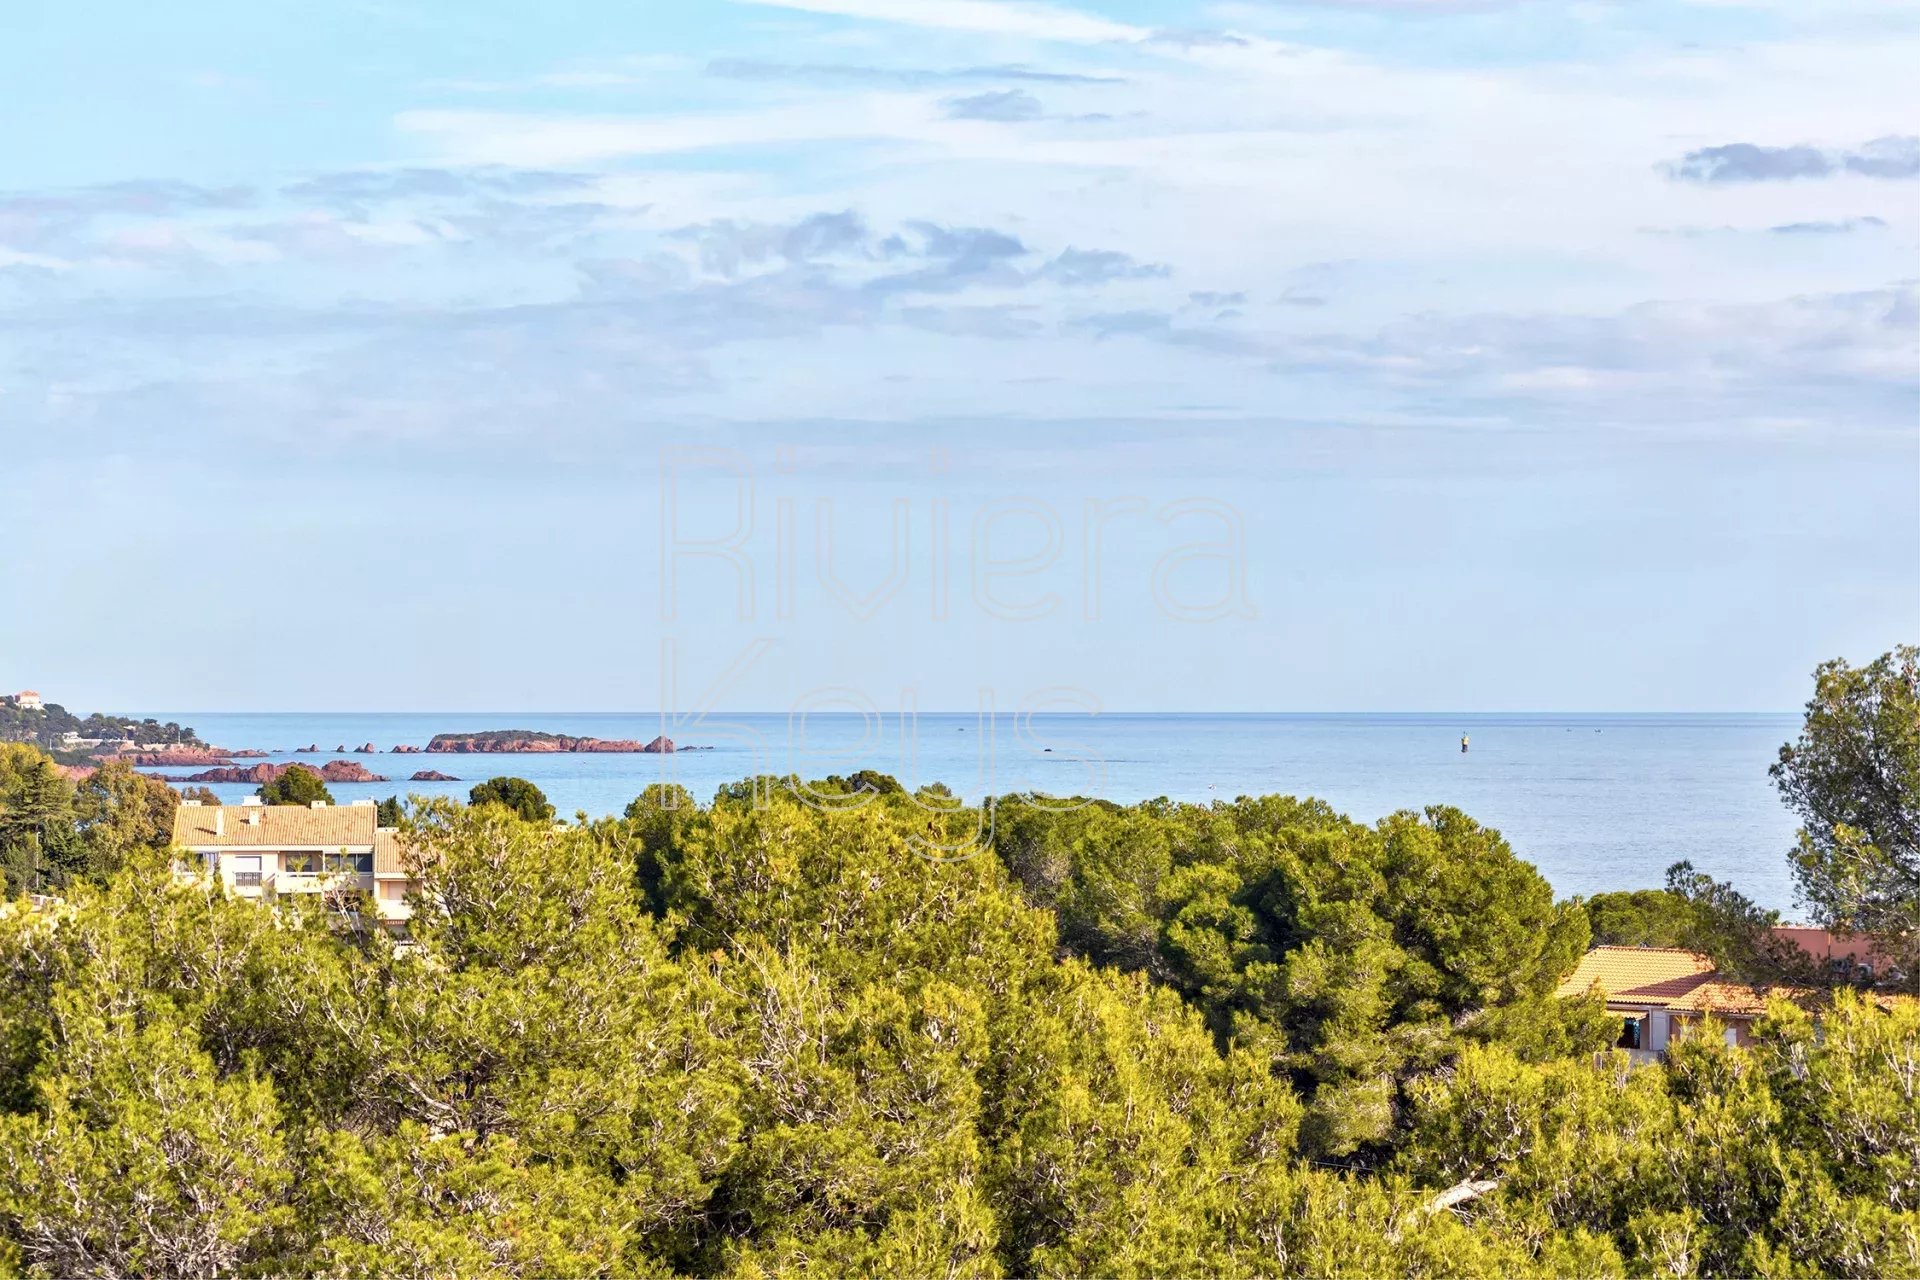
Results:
[37, 847]
[120, 812]
[296, 784]
[1349, 955]
[1853, 776]
[516, 794]
[52, 830]
[802, 1032]
[1797, 1157]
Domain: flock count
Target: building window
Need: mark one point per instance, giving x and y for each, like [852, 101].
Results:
[359, 864]
[1630, 1034]
[301, 864]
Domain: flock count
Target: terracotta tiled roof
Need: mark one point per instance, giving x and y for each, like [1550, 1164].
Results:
[1665, 978]
[386, 854]
[1643, 975]
[1715, 996]
[280, 827]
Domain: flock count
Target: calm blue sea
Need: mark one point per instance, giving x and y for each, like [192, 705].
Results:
[1597, 802]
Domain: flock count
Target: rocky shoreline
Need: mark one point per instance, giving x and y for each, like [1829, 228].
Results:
[220, 764]
[176, 757]
[332, 771]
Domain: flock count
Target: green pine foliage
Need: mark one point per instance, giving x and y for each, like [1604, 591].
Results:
[1853, 777]
[296, 785]
[819, 1033]
[1799, 1156]
[1349, 956]
[515, 794]
[53, 831]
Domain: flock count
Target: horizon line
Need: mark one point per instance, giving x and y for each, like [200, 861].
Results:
[996, 712]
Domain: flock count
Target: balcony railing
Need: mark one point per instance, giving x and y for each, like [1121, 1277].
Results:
[248, 879]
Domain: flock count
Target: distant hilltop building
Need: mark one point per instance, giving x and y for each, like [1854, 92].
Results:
[26, 700]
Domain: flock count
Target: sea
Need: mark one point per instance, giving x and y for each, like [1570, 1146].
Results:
[1596, 802]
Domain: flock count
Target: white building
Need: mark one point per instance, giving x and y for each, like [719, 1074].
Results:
[261, 851]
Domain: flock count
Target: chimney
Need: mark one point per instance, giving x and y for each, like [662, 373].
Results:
[319, 804]
[220, 821]
[253, 817]
[189, 804]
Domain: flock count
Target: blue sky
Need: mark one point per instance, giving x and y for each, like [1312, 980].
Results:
[1364, 354]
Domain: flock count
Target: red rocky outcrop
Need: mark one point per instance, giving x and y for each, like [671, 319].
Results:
[347, 771]
[173, 757]
[332, 771]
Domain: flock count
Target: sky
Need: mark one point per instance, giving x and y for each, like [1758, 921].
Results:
[1141, 355]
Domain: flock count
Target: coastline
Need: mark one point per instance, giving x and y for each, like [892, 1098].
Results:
[1597, 802]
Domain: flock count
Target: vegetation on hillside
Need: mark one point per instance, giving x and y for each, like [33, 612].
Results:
[46, 727]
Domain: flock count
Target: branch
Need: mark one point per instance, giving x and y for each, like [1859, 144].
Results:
[1459, 1194]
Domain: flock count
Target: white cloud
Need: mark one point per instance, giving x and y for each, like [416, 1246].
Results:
[508, 138]
[1501, 204]
[983, 17]
[14, 258]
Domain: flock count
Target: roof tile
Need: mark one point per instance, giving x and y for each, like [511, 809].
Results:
[280, 826]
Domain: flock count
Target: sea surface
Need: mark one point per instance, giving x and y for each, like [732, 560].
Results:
[1597, 802]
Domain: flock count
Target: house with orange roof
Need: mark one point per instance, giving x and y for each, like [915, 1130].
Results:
[26, 700]
[1661, 992]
